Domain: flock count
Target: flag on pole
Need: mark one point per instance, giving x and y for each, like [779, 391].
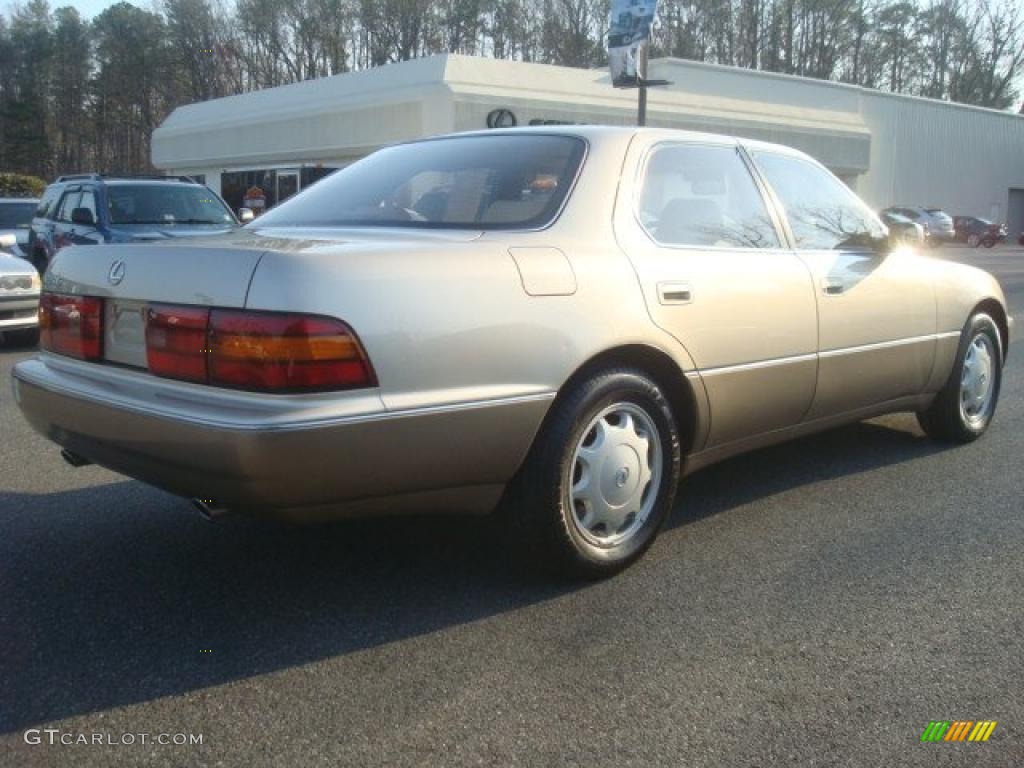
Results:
[628, 30]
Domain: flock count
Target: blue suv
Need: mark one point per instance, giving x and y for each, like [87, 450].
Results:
[97, 208]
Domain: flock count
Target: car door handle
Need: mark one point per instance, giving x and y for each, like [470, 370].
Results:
[674, 293]
[833, 287]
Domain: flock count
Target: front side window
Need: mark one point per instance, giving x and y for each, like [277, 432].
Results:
[48, 203]
[464, 182]
[701, 195]
[166, 204]
[823, 213]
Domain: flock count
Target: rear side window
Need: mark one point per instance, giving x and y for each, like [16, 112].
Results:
[701, 195]
[463, 182]
[823, 213]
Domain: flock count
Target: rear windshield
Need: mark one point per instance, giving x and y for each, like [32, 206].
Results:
[17, 215]
[465, 182]
[165, 204]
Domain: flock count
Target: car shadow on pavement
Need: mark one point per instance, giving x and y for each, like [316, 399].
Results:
[109, 595]
[848, 450]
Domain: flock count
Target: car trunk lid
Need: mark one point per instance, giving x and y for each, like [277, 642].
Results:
[130, 277]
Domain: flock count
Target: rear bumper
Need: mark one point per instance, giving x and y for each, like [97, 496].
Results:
[453, 458]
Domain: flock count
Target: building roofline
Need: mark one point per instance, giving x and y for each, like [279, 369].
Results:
[837, 84]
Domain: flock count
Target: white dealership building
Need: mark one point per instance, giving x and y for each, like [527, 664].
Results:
[893, 150]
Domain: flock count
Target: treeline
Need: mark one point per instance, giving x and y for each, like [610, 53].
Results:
[80, 94]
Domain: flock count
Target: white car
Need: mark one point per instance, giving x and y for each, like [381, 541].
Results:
[19, 295]
[16, 219]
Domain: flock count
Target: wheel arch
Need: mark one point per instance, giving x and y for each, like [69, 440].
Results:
[997, 311]
[661, 367]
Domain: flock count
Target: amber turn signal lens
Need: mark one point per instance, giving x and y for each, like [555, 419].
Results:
[285, 353]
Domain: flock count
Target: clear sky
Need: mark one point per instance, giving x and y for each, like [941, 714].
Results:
[87, 8]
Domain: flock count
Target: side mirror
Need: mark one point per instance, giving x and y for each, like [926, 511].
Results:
[245, 215]
[82, 216]
[7, 242]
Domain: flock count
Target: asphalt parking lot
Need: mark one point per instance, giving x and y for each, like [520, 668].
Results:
[816, 603]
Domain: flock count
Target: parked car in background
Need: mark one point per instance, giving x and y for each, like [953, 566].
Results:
[937, 224]
[558, 322]
[16, 219]
[89, 209]
[975, 231]
[902, 228]
[19, 295]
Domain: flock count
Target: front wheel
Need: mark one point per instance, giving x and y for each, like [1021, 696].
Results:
[962, 411]
[602, 475]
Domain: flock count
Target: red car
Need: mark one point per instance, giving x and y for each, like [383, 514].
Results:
[975, 231]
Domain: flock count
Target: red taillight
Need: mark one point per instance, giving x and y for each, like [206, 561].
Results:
[71, 325]
[277, 352]
[266, 351]
[176, 341]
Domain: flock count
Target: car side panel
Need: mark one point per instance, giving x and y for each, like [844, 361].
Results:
[749, 324]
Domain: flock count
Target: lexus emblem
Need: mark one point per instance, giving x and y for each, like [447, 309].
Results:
[501, 118]
[116, 273]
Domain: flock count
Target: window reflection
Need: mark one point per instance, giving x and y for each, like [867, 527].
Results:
[823, 213]
[696, 194]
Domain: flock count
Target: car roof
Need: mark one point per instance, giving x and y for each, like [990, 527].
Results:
[146, 182]
[597, 133]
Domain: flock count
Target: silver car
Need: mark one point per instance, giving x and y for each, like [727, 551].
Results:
[556, 322]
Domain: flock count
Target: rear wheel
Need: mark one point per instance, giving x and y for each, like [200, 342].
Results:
[962, 411]
[973, 240]
[601, 477]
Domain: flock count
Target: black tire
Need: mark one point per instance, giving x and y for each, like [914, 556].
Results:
[988, 242]
[538, 500]
[946, 418]
[973, 240]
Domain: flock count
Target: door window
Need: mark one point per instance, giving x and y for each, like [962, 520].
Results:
[68, 204]
[823, 213]
[88, 201]
[701, 195]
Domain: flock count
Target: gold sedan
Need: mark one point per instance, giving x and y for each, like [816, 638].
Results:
[558, 321]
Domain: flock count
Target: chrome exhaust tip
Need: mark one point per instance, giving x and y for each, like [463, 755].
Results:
[209, 511]
[73, 458]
